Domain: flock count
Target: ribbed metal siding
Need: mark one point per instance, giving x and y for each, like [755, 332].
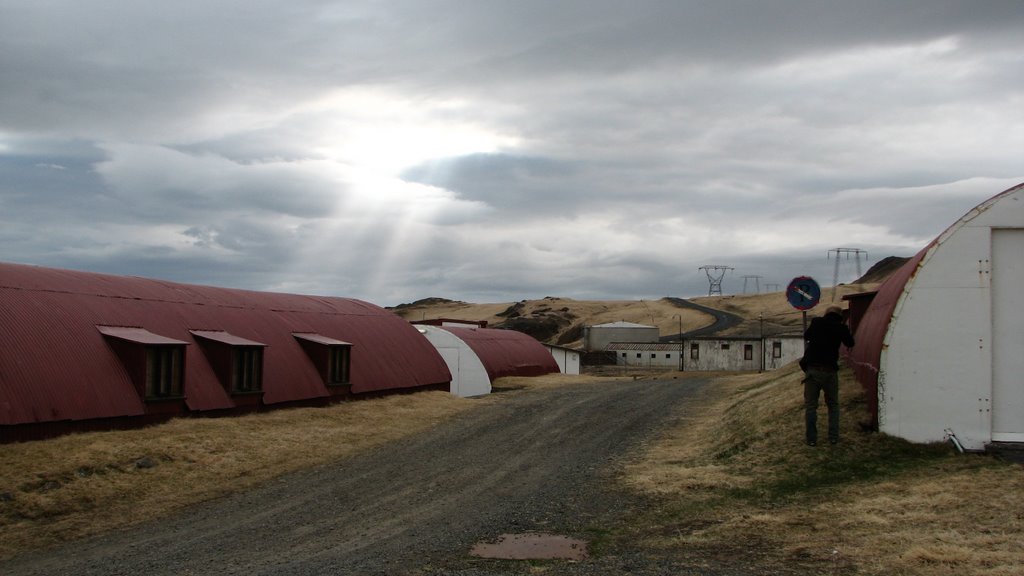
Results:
[55, 364]
[507, 352]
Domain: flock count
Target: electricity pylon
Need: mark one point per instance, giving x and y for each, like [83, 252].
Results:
[715, 274]
[757, 283]
[855, 252]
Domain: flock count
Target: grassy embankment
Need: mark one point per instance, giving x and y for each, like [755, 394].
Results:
[738, 480]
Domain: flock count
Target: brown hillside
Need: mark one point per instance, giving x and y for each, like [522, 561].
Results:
[561, 320]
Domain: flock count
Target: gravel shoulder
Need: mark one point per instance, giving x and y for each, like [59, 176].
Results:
[539, 460]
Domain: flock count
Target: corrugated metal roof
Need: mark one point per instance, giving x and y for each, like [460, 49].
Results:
[643, 346]
[56, 365]
[507, 352]
[139, 335]
[321, 339]
[225, 338]
[622, 324]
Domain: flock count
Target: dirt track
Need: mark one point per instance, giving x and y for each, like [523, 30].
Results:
[523, 461]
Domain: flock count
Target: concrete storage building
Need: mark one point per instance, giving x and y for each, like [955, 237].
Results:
[86, 351]
[599, 336]
[940, 346]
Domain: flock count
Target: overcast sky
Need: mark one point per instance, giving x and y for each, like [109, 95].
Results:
[493, 151]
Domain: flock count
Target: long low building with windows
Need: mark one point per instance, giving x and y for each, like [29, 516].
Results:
[711, 353]
[80, 350]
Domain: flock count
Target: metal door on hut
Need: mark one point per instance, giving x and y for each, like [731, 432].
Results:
[1007, 268]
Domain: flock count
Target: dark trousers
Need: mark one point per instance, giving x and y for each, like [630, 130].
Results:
[817, 380]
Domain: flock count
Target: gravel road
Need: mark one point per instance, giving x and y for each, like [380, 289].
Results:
[523, 461]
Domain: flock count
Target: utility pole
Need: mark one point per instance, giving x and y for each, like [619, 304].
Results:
[715, 274]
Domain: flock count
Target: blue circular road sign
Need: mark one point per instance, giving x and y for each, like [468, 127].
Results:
[803, 293]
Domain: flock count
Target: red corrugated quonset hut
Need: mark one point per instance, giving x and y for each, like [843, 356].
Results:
[507, 352]
[80, 350]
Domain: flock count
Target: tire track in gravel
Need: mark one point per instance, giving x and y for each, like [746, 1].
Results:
[530, 460]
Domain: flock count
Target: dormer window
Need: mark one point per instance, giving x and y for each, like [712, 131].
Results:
[155, 364]
[237, 361]
[332, 358]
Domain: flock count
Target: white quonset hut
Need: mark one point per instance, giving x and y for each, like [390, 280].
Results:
[599, 336]
[940, 347]
[469, 376]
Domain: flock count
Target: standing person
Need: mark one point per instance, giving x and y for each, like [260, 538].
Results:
[821, 367]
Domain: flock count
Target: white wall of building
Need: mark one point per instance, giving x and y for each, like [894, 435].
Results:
[568, 359]
[641, 355]
[782, 350]
[469, 377]
[709, 355]
[944, 367]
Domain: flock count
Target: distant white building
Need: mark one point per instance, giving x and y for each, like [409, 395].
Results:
[710, 354]
[653, 355]
[599, 336]
[568, 359]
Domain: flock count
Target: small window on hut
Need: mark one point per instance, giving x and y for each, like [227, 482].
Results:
[237, 361]
[694, 351]
[748, 351]
[332, 358]
[247, 375]
[776, 349]
[155, 363]
[164, 365]
[725, 345]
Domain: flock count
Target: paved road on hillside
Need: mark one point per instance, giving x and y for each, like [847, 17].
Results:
[523, 461]
[723, 320]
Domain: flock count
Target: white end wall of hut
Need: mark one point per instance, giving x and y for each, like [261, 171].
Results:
[469, 377]
[938, 371]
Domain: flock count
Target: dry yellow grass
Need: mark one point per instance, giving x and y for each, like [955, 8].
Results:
[84, 484]
[739, 473]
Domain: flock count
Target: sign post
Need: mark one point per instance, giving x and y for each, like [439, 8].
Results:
[803, 293]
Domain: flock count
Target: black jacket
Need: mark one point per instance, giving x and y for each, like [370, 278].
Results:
[822, 339]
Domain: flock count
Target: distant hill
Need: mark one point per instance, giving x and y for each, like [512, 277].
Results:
[881, 270]
[561, 321]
